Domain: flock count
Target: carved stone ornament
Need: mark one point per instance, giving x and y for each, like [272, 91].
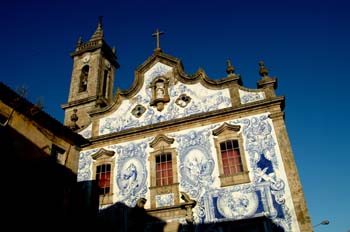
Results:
[160, 95]
[138, 110]
[86, 58]
[102, 152]
[183, 100]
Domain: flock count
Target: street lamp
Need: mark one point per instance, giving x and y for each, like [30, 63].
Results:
[324, 222]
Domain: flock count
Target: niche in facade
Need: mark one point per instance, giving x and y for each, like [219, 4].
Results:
[160, 93]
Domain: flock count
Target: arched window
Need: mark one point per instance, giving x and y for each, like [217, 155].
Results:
[84, 78]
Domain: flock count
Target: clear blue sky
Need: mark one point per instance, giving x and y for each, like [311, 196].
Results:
[304, 43]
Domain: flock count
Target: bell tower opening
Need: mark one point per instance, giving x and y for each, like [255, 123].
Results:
[84, 78]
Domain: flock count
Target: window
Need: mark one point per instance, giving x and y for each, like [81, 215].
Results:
[163, 173]
[103, 166]
[103, 178]
[231, 158]
[230, 154]
[164, 170]
[58, 154]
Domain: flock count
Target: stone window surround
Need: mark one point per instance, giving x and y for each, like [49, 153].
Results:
[162, 145]
[84, 79]
[104, 156]
[230, 132]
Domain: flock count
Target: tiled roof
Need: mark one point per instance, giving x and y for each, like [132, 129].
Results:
[31, 111]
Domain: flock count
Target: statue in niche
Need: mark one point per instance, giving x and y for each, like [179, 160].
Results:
[84, 78]
[159, 90]
[160, 94]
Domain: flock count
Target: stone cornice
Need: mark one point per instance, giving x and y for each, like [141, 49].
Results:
[94, 45]
[79, 102]
[277, 115]
[249, 107]
[86, 47]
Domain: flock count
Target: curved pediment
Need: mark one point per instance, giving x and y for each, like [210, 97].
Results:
[162, 91]
[102, 153]
[161, 138]
[180, 95]
[179, 72]
[170, 67]
[226, 127]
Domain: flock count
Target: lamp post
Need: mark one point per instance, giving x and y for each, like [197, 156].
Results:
[324, 222]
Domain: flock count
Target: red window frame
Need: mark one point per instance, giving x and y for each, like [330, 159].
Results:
[103, 178]
[164, 170]
[231, 157]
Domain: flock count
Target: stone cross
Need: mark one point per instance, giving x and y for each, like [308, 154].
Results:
[157, 34]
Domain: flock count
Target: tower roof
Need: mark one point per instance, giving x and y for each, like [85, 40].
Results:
[96, 42]
[98, 35]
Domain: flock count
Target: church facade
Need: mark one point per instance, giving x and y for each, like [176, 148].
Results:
[187, 149]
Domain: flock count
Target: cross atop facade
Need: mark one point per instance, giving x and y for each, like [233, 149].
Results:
[157, 34]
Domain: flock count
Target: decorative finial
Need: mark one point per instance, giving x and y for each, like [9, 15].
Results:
[157, 35]
[74, 118]
[229, 69]
[263, 71]
[98, 35]
[99, 25]
[80, 41]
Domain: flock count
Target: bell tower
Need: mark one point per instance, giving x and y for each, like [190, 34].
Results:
[91, 88]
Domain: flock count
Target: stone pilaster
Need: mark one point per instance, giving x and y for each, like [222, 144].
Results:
[298, 199]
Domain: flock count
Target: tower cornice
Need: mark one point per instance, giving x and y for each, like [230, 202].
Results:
[94, 45]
